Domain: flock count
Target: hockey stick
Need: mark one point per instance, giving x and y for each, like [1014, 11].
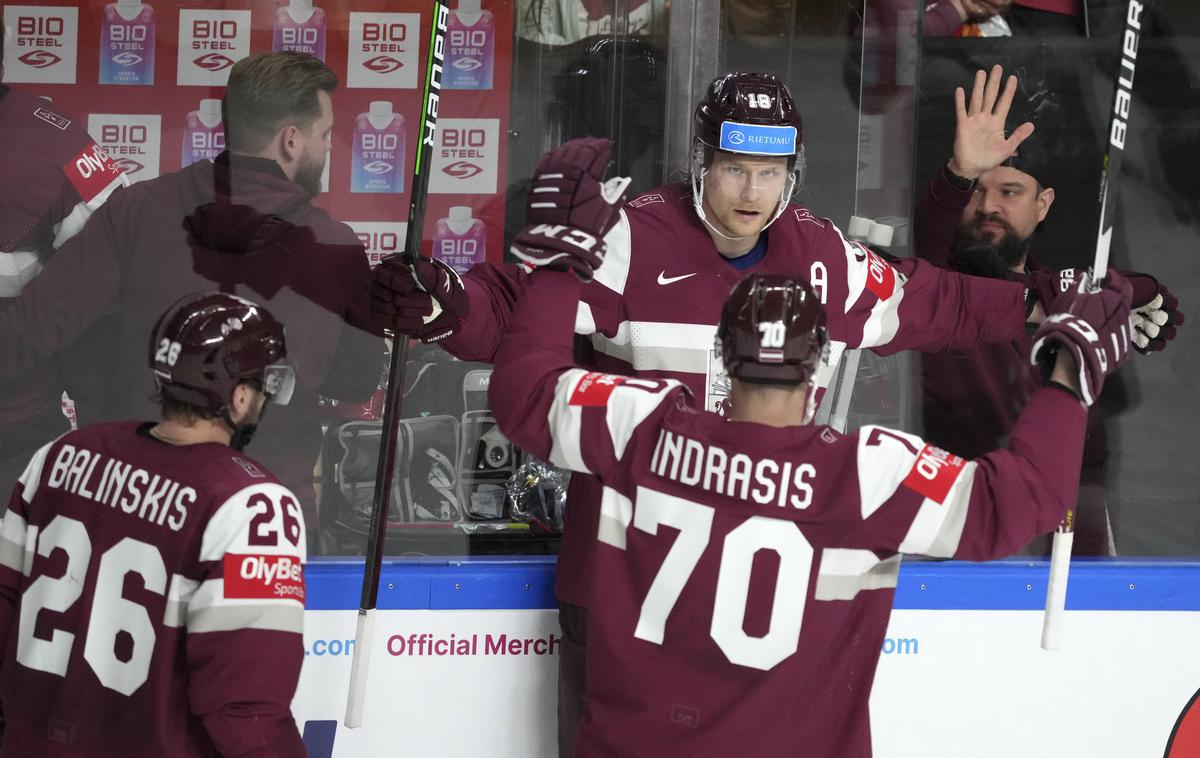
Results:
[381, 502]
[1064, 536]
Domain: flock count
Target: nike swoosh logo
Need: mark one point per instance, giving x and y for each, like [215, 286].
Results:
[664, 279]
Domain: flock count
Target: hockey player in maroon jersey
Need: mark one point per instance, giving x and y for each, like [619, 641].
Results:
[151, 574]
[55, 177]
[670, 257]
[745, 565]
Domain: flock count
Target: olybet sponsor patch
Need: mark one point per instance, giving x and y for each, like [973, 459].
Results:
[594, 389]
[263, 577]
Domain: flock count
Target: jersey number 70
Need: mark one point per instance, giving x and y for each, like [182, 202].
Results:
[694, 522]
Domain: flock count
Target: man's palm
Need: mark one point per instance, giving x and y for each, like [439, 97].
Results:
[979, 141]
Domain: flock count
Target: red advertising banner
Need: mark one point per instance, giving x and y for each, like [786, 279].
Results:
[148, 77]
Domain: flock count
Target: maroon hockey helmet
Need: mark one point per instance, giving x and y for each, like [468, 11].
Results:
[772, 330]
[749, 113]
[206, 344]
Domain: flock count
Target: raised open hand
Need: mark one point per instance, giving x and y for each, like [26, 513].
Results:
[979, 141]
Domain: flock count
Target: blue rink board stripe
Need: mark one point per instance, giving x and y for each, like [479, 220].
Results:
[528, 583]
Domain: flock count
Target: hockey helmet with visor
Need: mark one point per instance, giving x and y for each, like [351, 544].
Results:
[750, 114]
[206, 344]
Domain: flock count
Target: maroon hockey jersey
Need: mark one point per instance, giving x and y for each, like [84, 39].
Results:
[55, 177]
[151, 601]
[655, 303]
[745, 573]
[240, 226]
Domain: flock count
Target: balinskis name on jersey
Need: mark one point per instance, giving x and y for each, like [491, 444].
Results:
[764, 480]
[108, 481]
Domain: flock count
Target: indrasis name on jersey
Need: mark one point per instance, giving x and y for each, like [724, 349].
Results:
[213, 61]
[39, 58]
[382, 64]
[462, 170]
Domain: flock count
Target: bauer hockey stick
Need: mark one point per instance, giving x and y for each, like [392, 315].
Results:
[1064, 536]
[380, 504]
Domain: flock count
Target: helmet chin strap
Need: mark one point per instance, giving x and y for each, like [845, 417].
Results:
[242, 433]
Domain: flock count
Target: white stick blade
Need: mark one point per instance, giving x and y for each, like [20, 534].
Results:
[356, 699]
[1056, 590]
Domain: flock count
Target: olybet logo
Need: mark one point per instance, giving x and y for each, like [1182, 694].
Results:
[41, 44]
[210, 42]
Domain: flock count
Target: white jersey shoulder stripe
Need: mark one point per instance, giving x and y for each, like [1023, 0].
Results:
[13, 546]
[660, 346]
[614, 271]
[937, 528]
[843, 573]
[269, 617]
[885, 456]
[566, 424]
[18, 268]
[74, 222]
[629, 405]
[884, 320]
[32, 475]
[267, 508]
[180, 592]
[616, 511]
[585, 320]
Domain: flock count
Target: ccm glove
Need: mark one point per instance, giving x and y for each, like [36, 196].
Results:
[1094, 325]
[426, 300]
[570, 209]
[1155, 311]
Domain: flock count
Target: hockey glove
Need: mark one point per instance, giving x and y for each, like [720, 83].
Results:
[1155, 314]
[1093, 325]
[426, 300]
[570, 209]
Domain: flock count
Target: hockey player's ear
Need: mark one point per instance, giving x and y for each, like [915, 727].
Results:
[243, 401]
